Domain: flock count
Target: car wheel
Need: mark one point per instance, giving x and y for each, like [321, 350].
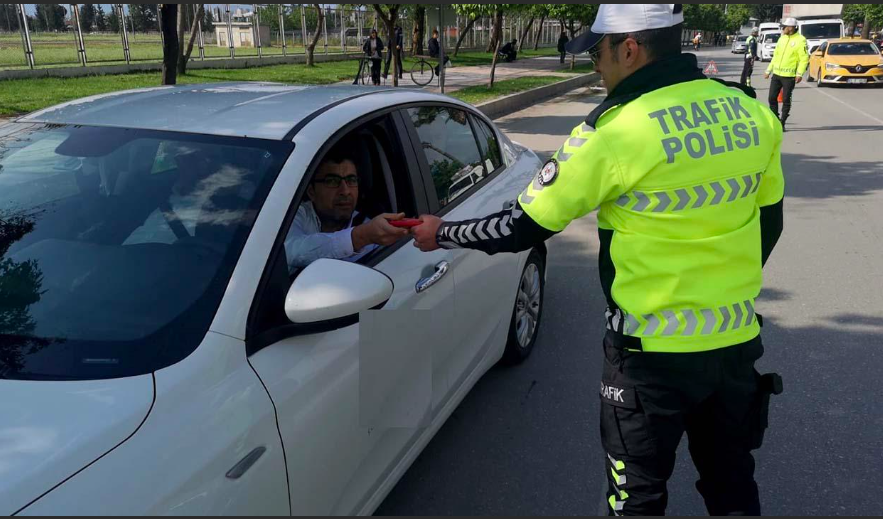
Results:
[528, 310]
[819, 82]
[809, 78]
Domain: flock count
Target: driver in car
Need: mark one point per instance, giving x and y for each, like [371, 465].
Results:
[328, 225]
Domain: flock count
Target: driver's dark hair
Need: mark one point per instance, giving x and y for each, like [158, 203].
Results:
[658, 43]
[342, 151]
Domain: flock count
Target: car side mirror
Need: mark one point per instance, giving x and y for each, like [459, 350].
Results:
[333, 289]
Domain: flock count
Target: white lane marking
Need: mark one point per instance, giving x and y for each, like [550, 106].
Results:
[844, 103]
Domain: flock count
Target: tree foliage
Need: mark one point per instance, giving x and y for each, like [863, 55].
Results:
[737, 16]
[143, 17]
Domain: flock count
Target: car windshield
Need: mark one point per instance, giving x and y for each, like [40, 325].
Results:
[820, 30]
[116, 245]
[772, 38]
[742, 38]
[852, 49]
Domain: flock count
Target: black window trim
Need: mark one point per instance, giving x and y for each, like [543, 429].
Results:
[256, 341]
[435, 207]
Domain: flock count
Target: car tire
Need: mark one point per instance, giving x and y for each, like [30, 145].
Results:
[528, 311]
[809, 78]
[819, 83]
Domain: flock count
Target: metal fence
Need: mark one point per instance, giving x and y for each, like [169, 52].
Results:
[131, 33]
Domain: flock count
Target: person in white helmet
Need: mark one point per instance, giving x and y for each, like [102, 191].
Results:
[750, 57]
[789, 63]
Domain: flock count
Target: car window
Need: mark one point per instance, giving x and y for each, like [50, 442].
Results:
[821, 30]
[490, 147]
[450, 149]
[116, 244]
[852, 49]
[362, 175]
[772, 38]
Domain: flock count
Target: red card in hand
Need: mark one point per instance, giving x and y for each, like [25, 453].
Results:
[406, 223]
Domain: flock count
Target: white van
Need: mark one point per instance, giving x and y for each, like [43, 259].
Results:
[817, 32]
[766, 44]
[767, 27]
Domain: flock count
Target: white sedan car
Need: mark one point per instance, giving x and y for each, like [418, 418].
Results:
[157, 353]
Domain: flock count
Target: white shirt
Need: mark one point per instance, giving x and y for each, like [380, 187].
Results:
[306, 242]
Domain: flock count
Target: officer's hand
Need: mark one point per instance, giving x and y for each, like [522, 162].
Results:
[798, 80]
[424, 234]
[378, 231]
[766, 76]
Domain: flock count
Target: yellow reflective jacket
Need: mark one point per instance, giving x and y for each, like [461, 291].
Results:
[679, 175]
[790, 58]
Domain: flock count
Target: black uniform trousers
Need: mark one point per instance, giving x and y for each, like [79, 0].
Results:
[747, 70]
[786, 84]
[649, 400]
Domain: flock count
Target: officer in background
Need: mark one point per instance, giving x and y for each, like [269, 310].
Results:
[687, 175]
[790, 59]
[750, 57]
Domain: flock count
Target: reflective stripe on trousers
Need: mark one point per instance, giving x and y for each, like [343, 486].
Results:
[690, 322]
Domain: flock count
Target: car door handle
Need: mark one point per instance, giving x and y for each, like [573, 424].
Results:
[440, 270]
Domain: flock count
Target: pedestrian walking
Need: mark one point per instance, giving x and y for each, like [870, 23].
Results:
[373, 48]
[562, 42]
[395, 49]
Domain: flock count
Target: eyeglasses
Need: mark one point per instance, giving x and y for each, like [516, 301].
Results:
[333, 181]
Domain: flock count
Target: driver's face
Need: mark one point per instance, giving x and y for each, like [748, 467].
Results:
[334, 203]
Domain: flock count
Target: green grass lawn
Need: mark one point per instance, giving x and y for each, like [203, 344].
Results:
[26, 95]
[481, 93]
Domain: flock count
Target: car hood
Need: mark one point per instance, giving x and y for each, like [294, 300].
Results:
[51, 430]
[863, 60]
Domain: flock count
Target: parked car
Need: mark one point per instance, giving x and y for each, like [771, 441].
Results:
[767, 44]
[740, 45]
[157, 356]
[846, 61]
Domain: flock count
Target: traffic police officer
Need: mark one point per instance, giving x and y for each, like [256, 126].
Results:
[789, 62]
[750, 57]
[686, 173]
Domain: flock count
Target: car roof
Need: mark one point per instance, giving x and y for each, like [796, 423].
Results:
[245, 109]
[847, 40]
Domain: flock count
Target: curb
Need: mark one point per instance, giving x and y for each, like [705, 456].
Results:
[512, 103]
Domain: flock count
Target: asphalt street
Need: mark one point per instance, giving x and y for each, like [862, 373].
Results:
[525, 441]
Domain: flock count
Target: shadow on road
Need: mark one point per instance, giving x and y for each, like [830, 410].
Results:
[828, 176]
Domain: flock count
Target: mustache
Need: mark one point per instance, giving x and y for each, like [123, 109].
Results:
[344, 199]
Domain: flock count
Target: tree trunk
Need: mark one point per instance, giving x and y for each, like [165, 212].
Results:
[390, 22]
[536, 35]
[524, 34]
[463, 36]
[850, 29]
[497, 34]
[184, 58]
[311, 48]
[419, 30]
[498, 37]
[170, 43]
[866, 28]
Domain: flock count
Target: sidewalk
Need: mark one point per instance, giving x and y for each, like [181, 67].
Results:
[457, 78]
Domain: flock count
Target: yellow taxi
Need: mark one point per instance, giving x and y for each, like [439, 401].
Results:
[846, 61]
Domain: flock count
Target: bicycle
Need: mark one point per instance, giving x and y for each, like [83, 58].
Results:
[363, 77]
[422, 72]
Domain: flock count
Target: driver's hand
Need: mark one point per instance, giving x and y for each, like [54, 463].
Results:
[378, 231]
[424, 234]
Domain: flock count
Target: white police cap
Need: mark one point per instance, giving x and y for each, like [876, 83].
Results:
[624, 18]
